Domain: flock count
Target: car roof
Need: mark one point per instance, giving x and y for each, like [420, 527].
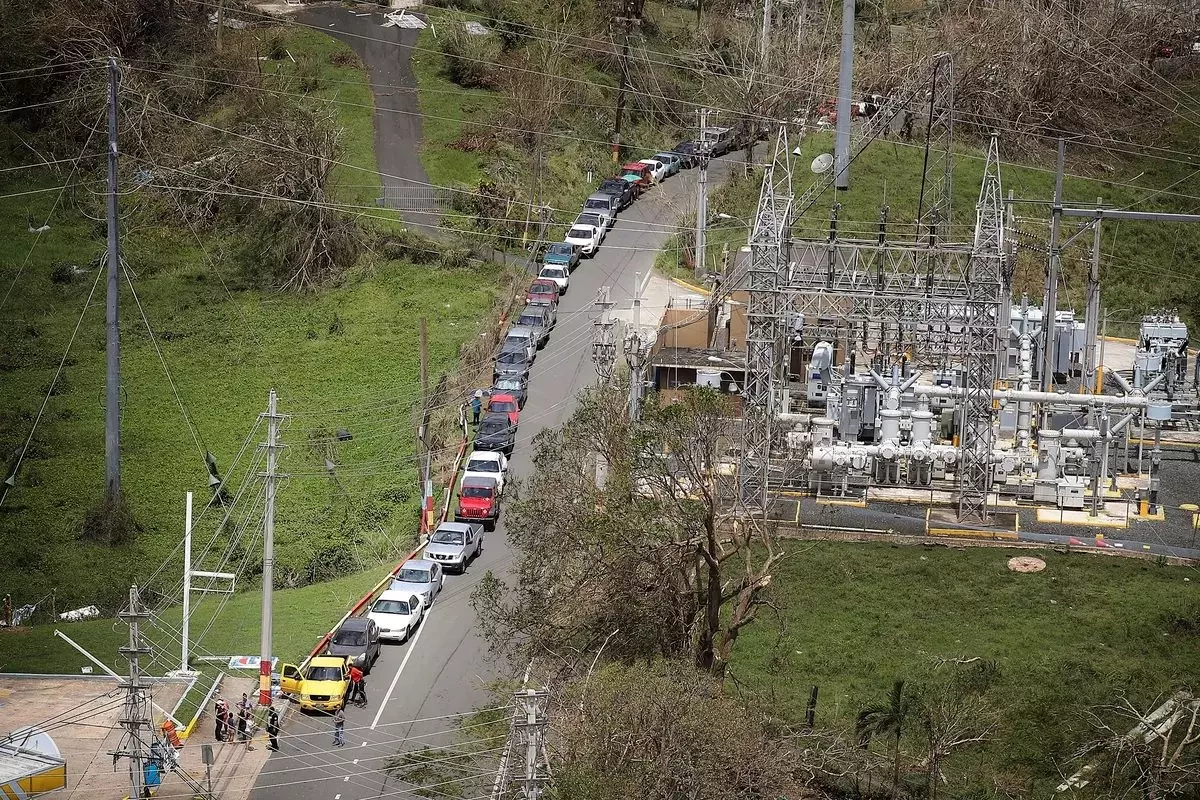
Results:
[397, 594]
[354, 624]
[600, 196]
[544, 282]
[457, 527]
[521, 332]
[483, 455]
[650, 159]
[417, 563]
[480, 480]
[578, 224]
[667, 154]
[556, 267]
[331, 661]
[541, 311]
[502, 396]
[635, 165]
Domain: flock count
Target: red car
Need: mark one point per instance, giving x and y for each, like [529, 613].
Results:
[478, 501]
[645, 176]
[542, 292]
[506, 403]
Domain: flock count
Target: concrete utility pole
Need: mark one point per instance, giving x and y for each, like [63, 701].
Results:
[135, 718]
[423, 427]
[841, 149]
[1050, 304]
[112, 378]
[635, 354]
[187, 585]
[701, 267]
[533, 703]
[271, 476]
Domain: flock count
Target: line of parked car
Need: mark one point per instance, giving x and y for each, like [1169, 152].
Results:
[323, 684]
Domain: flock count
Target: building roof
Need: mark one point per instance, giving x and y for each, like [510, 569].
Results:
[699, 358]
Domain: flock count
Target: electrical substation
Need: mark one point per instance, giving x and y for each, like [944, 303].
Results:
[900, 369]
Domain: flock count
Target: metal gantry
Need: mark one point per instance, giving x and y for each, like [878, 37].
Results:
[982, 313]
[770, 246]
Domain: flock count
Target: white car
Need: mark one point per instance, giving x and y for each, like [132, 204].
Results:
[420, 577]
[658, 169]
[487, 464]
[560, 275]
[397, 614]
[587, 237]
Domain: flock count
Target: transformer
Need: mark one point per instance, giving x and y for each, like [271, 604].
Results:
[1161, 349]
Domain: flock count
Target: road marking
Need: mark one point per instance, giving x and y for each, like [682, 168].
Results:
[396, 679]
[346, 779]
[337, 797]
[356, 761]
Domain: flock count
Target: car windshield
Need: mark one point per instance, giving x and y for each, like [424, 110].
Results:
[531, 319]
[580, 233]
[448, 537]
[350, 638]
[554, 273]
[516, 341]
[511, 384]
[392, 606]
[511, 357]
[503, 405]
[414, 575]
[324, 674]
[560, 249]
[597, 203]
[476, 491]
[588, 219]
[483, 465]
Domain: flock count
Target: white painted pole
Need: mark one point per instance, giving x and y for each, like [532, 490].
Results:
[187, 581]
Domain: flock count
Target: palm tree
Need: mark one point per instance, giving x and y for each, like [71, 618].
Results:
[886, 719]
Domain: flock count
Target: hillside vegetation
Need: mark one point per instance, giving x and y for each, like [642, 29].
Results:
[232, 168]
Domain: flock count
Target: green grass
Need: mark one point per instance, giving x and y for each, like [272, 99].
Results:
[446, 110]
[852, 618]
[345, 359]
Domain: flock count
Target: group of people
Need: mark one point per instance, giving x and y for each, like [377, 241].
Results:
[227, 729]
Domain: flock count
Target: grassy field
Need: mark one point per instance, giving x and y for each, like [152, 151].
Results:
[852, 618]
[344, 362]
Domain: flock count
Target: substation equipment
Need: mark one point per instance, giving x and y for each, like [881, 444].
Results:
[901, 367]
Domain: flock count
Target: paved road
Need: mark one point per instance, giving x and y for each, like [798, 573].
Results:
[387, 53]
[443, 671]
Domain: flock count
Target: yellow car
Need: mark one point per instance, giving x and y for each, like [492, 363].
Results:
[321, 687]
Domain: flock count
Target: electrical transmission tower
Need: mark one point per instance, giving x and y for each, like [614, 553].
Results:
[934, 207]
[980, 320]
[604, 337]
[527, 734]
[135, 716]
[770, 246]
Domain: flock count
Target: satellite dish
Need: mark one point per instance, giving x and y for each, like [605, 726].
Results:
[822, 163]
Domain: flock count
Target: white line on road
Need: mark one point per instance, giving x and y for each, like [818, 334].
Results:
[411, 647]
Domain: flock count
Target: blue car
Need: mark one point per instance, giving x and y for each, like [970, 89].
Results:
[562, 254]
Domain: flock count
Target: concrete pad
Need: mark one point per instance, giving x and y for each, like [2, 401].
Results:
[1113, 515]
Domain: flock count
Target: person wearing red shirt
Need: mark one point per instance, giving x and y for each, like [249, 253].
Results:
[358, 687]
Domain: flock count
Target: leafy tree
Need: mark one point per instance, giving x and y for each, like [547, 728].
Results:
[646, 560]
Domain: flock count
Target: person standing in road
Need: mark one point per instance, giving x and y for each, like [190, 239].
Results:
[339, 728]
[356, 685]
[476, 406]
[222, 717]
[272, 728]
[226, 722]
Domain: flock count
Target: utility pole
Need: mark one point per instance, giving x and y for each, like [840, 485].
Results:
[841, 150]
[604, 340]
[272, 476]
[220, 22]
[631, 17]
[1050, 304]
[635, 354]
[423, 428]
[1092, 320]
[187, 584]
[112, 378]
[701, 266]
[135, 717]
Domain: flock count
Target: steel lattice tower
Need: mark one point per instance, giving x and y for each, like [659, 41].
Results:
[937, 176]
[770, 245]
[981, 332]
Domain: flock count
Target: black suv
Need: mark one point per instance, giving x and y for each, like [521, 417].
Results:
[496, 433]
[688, 152]
[512, 361]
[622, 190]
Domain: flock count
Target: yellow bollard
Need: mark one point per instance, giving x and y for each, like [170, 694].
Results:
[1144, 506]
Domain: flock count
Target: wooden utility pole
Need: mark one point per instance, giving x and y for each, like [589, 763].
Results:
[423, 427]
[632, 16]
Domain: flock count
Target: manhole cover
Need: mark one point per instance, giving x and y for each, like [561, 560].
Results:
[1026, 564]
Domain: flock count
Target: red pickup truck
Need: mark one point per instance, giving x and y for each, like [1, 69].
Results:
[645, 176]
